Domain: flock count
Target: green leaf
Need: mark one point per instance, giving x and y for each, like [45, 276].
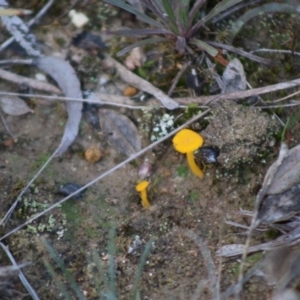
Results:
[134, 11]
[209, 49]
[139, 32]
[263, 9]
[170, 16]
[225, 4]
[194, 11]
[142, 43]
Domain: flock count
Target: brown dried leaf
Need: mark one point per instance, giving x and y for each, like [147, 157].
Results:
[288, 173]
[280, 207]
[14, 106]
[120, 132]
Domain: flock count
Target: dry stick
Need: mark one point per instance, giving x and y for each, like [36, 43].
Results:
[243, 94]
[21, 275]
[6, 126]
[16, 62]
[286, 97]
[276, 51]
[112, 100]
[35, 84]
[281, 105]
[183, 101]
[178, 76]
[141, 84]
[12, 208]
[105, 173]
[209, 264]
[30, 23]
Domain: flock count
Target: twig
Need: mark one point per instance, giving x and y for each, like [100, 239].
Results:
[16, 62]
[276, 51]
[141, 84]
[12, 208]
[112, 100]
[5, 125]
[209, 264]
[296, 103]
[178, 76]
[286, 97]
[35, 84]
[21, 275]
[232, 289]
[105, 173]
[30, 23]
[243, 94]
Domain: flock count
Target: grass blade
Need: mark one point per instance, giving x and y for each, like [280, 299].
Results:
[139, 32]
[194, 11]
[134, 11]
[58, 283]
[66, 272]
[223, 5]
[142, 43]
[204, 46]
[138, 274]
[266, 8]
[112, 268]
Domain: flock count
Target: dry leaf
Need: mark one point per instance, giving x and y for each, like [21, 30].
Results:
[63, 73]
[288, 173]
[14, 106]
[120, 132]
[280, 207]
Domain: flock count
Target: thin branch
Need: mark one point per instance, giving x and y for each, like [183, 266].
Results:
[276, 51]
[6, 126]
[177, 78]
[287, 97]
[35, 84]
[112, 100]
[16, 62]
[243, 94]
[21, 275]
[280, 106]
[13, 207]
[30, 23]
[209, 264]
[105, 173]
[141, 84]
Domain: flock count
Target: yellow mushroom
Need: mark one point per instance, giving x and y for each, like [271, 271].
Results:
[141, 187]
[187, 141]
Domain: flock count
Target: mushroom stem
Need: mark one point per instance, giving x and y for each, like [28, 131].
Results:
[193, 166]
[144, 198]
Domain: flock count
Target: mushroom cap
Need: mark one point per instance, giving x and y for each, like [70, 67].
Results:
[142, 185]
[187, 140]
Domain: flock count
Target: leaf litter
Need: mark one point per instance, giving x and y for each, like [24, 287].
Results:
[14, 106]
[120, 132]
[65, 133]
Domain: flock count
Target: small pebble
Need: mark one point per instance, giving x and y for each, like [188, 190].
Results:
[69, 188]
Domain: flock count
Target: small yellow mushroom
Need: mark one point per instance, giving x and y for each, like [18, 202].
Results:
[141, 187]
[187, 141]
